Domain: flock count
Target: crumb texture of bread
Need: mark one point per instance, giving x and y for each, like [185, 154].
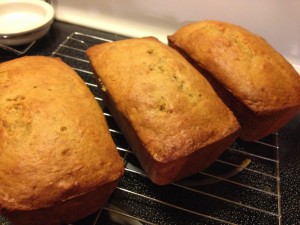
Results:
[54, 141]
[245, 64]
[172, 109]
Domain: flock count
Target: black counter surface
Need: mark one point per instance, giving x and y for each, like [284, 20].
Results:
[289, 136]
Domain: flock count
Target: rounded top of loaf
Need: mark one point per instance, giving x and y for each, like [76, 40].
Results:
[243, 62]
[54, 140]
[171, 106]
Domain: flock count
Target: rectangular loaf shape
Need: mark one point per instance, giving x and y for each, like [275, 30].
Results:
[257, 83]
[58, 162]
[173, 120]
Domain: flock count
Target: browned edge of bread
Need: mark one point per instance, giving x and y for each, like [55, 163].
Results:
[172, 168]
[60, 163]
[80, 206]
[164, 173]
[255, 125]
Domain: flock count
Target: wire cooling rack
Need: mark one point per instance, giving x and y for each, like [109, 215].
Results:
[241, 187]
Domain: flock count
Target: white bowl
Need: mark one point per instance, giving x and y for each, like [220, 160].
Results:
[24, 21]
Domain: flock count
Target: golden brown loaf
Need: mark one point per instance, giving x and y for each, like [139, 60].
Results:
[259, 85]
[58, 160]
[172, 118]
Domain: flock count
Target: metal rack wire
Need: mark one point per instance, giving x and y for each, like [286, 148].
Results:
[241, 187]
[18, 50]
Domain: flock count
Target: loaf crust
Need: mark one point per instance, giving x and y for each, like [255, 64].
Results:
[263, 89]
[172, 118]
[58, 160]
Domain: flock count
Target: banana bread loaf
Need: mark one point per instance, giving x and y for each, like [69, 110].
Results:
[58, 162]
[257, 83]
[173, 120]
